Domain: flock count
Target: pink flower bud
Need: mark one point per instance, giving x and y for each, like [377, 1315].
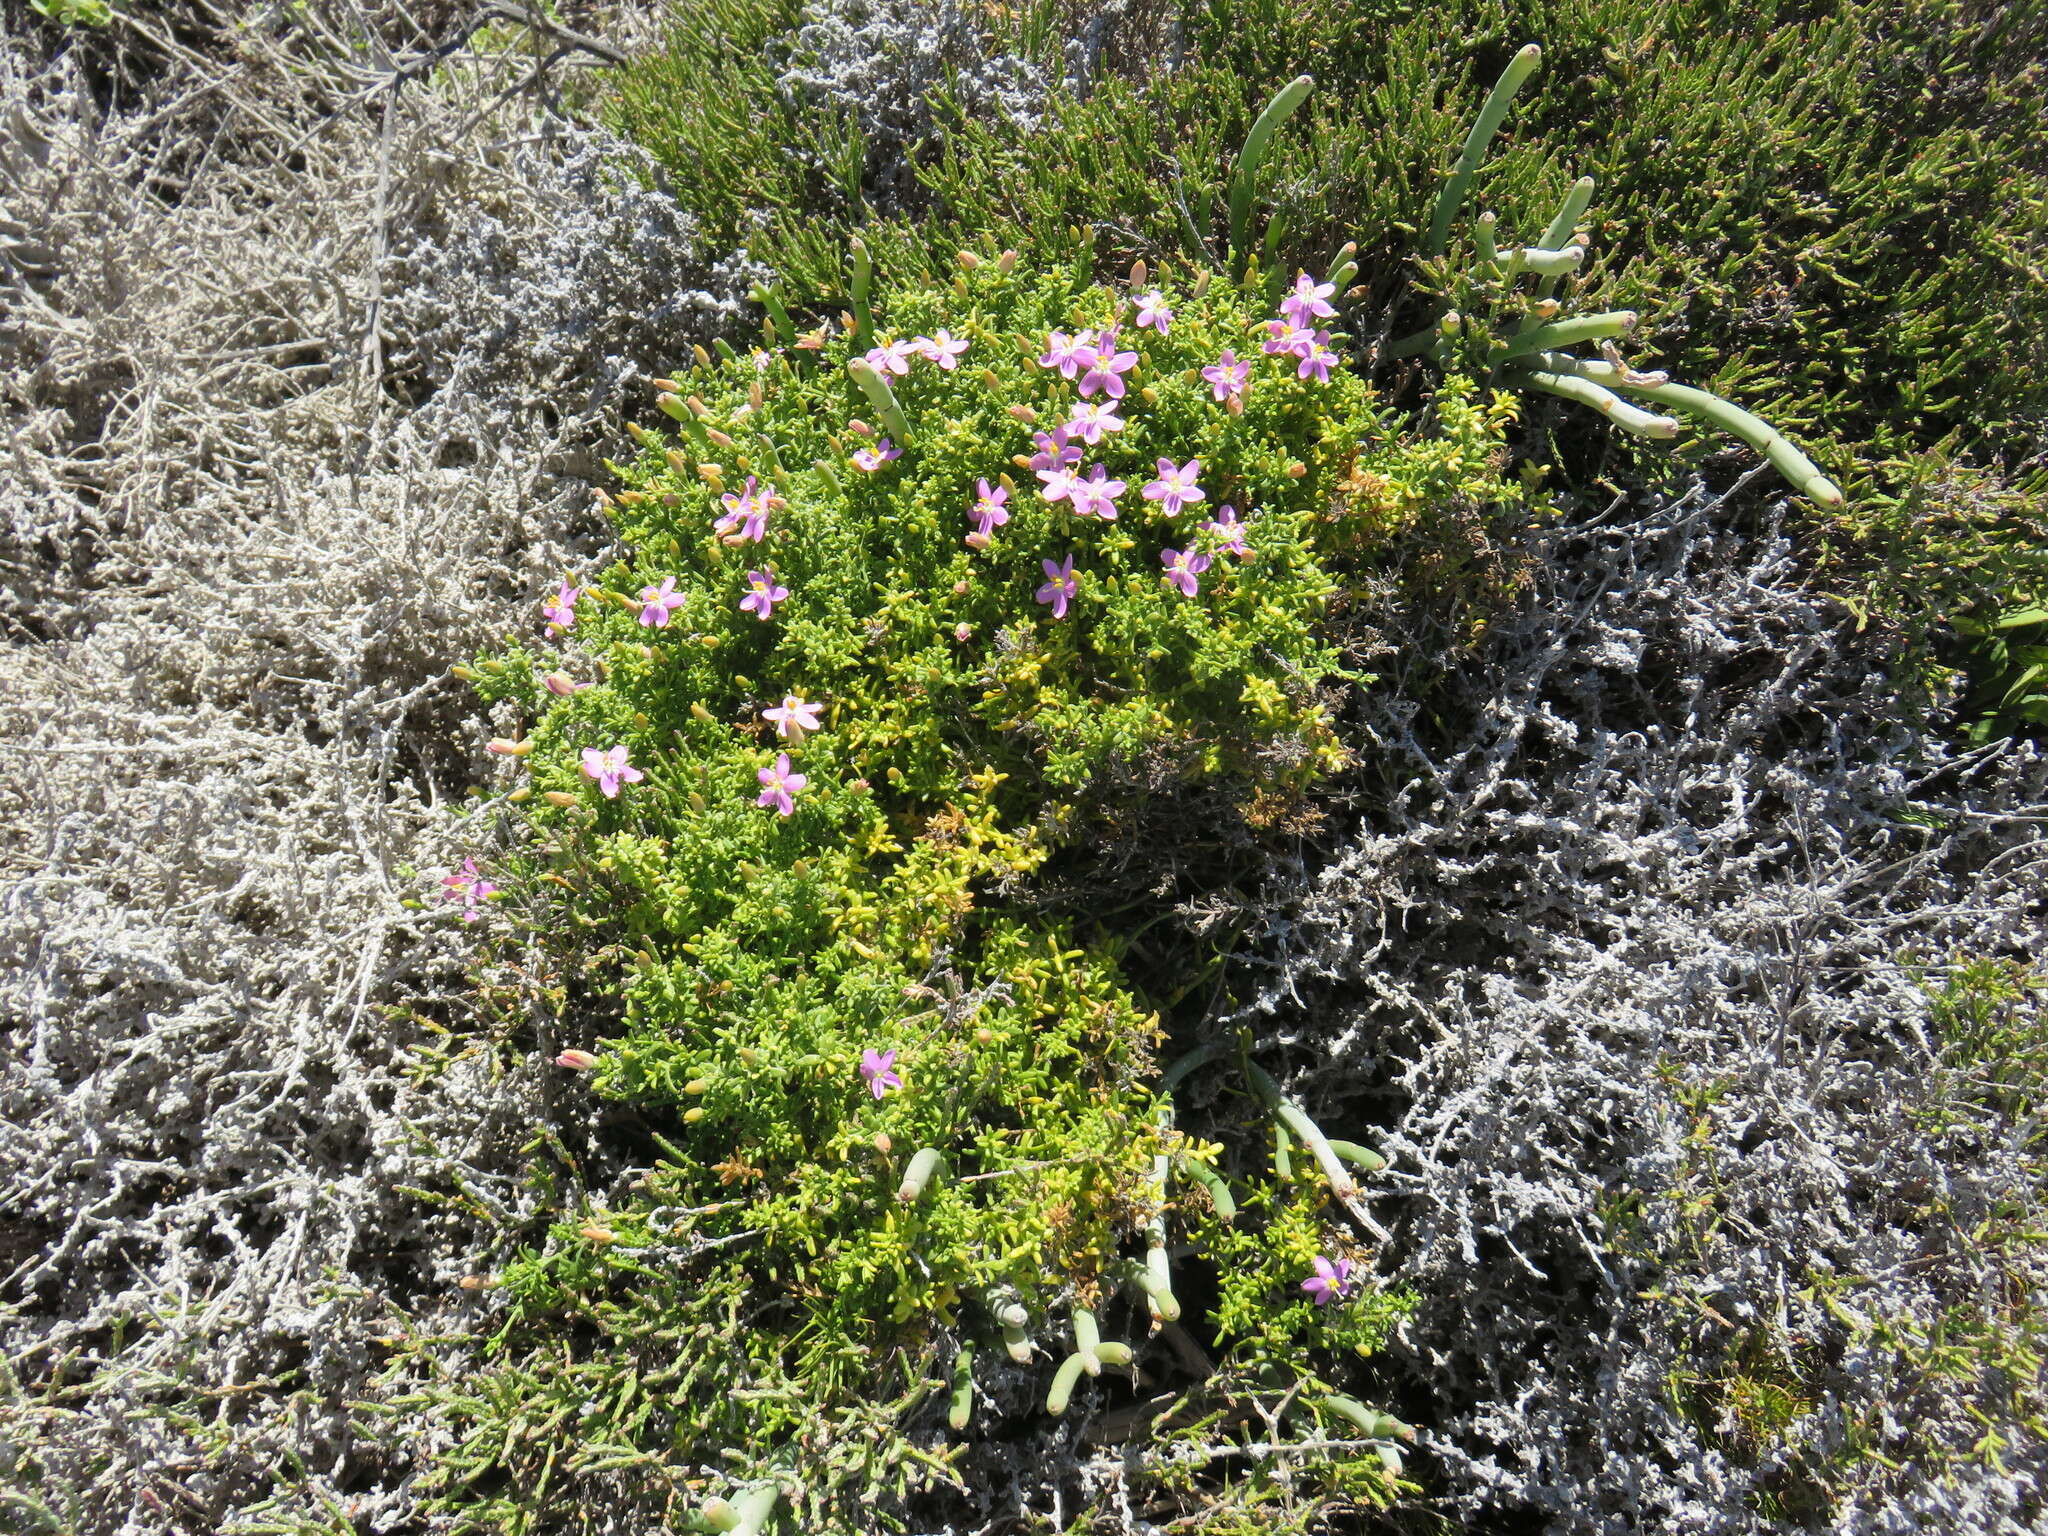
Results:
[561, 684]
[504, 748]
[963, 631]
[576, 1061]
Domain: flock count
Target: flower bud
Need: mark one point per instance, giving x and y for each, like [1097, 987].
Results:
[976, 540]
[558, 797]
[882, 1142]
[561, 684]
[969, 262]
[960, 587]
[505, 748]
[576, 1061]
[857, 425]
[597, 1234]
[1024, 413]
[1006, 263]
[1139, 272]
[692, 1115]
[963, 632]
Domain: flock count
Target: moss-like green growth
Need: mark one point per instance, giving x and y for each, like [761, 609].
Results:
[839, 707]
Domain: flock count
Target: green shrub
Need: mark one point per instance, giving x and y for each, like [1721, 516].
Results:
[823, 1219]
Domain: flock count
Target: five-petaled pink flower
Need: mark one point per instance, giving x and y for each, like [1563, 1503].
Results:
[1182, 567]
[657, 603]
[1229, 532]
[988, 513]
[778, 784]
[1060, 586]
[1175, 489]
[879, 1068]
[872, 459]
[1152, 311]
[1308, 300]
[746, 515]
[794, 718]
[1331, 1282]
[1055, 450]
[1228, 376]
[1106, 367]
[1316, 358]
[561, 611]
[1066, 353]
[1091, 420]
[893, 357]
[610, 769]
[1060, 482]
[1283, 337]
[1096, 496]
[468, 887]
[943, 349]
[763, 593]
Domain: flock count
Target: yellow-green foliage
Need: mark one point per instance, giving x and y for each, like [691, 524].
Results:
[964, 736]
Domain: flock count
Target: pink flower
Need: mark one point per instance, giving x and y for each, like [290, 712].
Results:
[1332, 1281]
[794, 718]
[1175, 489]
[943, 349]
[1055, 450]
[1282, 337]
[778, 784]
[561, 612]
[1229, 532]
[763, 593]
[1182, 567]
[1096, 496]
[1106, 366]
[1152, 311]
[468, 887]
[1060, 586]
[872, 459]
[746, 515]
[1316, 358]
[1065, 353]
[1306, 301]
[659, 602]
[989, 512]
[610, 769]
[879, 1068]
[893, 357]
[1228, 377]
[1060, 483]
[1090, 421]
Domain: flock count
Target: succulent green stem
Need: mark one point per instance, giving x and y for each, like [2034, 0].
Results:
[1805, 476]
[1371, 1424]
[1086, 1337]
[1583, 391]
[1256, 143]
[1283, 1155]
[1358, 1157]
[1491, 115]
[724, 349]
[1109, 1352]
[1482, 240]
[1416, 342]
[1017, 1343]
[863, 275]
[1296, 1120]
[1063, 1380]
[673, 406]
[962, 1406]
[1548, 263]
[1577, 198]
[746, 1515]
[1212, 1181]
[882, 398]
[918, 1174]
[1567, 333]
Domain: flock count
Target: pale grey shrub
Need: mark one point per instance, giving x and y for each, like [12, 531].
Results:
[1684, 834]
[305, 378]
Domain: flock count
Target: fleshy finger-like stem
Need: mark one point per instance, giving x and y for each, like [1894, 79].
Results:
[882, 398]
[962, 1407]
[918, 1174]
[1491, 115]
[1296, 1120]
[1583, 391]
[1805, 475]
[863, 274]
[1256, 143]
[1567, 333]
[1063, 1380]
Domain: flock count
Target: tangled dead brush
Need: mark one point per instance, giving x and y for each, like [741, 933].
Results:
[1660, 951]
[305, 354]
